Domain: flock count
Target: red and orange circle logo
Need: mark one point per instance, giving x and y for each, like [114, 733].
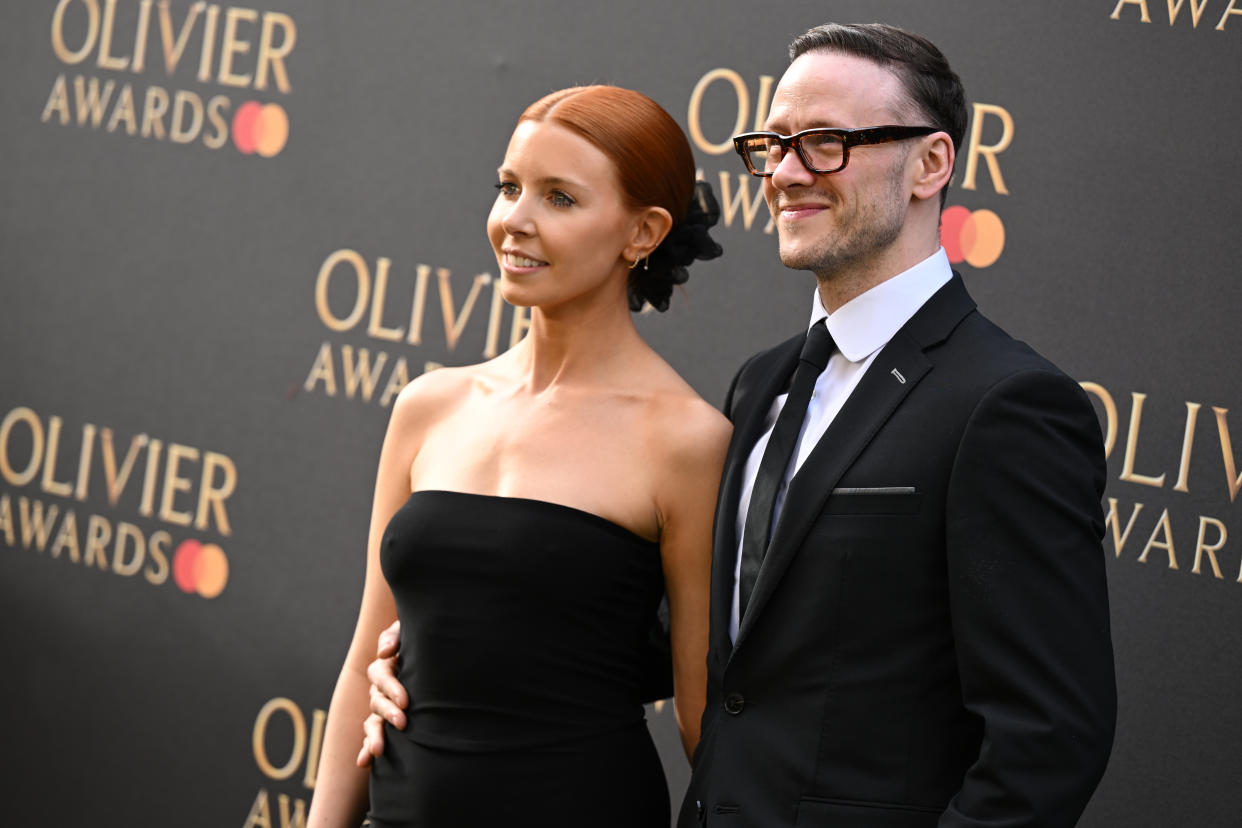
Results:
[200, 567]
[260, 128]
[976, 237]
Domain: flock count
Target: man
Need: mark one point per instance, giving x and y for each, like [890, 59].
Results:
[923, 639]
[909, 618]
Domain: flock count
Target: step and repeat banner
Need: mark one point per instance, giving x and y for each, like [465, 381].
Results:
[229, 234]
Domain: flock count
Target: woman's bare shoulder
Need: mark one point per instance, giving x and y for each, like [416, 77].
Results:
[428, 398]
[690, 429]
[688, 440]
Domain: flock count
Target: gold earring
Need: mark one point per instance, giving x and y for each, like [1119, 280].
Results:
[637, 259]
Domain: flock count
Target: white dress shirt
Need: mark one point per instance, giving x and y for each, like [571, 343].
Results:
[860, 328]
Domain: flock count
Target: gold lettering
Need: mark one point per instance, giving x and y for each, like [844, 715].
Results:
[209, 43]
[6, 519]
[214, 114]
[376, 329]
[179, 133]
[988, 151]
[174, 483]
[360, 374]
[233, 46]
[98, 534]
[696, 102]
[260, 815]
[58, 34]
[50, 484]
[124, 111]
[126, 532]
[156, 548]
[174, 48]
[322, 370]
[106, 60]
[743, 200]
[34, 527]
[1162, 527]
[1196, 10]
[454, 324]
[57, 101]
[1220, 27]
[1210, 549]
[84, 461]
[258, 738]
[363, 277]
[1110, 414]
[1142, 4]
[398, 379]
[274, 56]
[91, 104]
[418, 309]
[318, 719]
[148, 482]
[1226, 448]
[1111, 520]
[1188, 442]
[213, 496]
[139, 63]
[153, 110]
[1127, 473]
[67, 537]
[299, 812]
[31, 419]
[116, 482]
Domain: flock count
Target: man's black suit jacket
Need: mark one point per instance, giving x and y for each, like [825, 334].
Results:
[927, 643]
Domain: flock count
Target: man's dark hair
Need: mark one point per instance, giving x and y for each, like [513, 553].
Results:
[931, 85]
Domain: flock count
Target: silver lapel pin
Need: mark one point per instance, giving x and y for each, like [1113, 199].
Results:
[898, 375]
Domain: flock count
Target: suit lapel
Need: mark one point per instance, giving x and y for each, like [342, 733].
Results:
[872, 402]
[894, 373]
[758, 385]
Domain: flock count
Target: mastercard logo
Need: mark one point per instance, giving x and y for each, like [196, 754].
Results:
[200, 567]
[976, 237]
[260, 128]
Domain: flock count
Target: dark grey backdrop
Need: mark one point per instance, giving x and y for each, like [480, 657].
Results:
[168, 289]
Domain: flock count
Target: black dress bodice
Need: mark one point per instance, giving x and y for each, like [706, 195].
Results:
[523, 622]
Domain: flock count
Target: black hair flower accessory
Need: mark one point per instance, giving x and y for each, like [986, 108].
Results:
[686, 242]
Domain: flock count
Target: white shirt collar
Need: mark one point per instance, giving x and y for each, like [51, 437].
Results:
[867, 322]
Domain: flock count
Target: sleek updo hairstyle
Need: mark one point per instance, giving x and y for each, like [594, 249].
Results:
[655, 168]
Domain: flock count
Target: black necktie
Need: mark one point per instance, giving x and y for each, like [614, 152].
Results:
[815, 353]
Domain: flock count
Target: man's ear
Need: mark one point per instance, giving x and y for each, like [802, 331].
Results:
[651, 225]
[934, 165]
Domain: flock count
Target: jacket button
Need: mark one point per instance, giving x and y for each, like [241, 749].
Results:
[733, 703]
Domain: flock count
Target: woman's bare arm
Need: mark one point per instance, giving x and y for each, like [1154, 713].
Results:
[341, 787]
[688, 504]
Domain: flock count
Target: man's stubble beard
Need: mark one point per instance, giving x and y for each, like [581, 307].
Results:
[872, 228]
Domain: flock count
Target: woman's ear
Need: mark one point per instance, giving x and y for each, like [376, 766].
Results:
[651, 225]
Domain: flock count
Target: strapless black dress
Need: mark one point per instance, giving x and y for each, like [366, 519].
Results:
[523, 635]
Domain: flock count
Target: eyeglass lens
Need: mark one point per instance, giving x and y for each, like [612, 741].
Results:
[824, 151]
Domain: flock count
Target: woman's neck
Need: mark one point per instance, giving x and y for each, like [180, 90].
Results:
[577, 346]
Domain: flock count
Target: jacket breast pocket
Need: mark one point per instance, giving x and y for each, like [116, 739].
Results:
[816, 812]
[880, 500]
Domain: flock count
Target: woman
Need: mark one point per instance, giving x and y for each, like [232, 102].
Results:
[530, 511]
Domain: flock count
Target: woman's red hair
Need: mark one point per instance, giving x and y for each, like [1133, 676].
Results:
[654, 164]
